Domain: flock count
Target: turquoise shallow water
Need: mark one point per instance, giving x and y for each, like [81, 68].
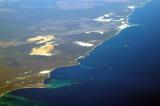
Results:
[124, 71]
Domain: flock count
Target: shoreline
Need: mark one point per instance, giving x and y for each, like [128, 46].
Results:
[77, 60]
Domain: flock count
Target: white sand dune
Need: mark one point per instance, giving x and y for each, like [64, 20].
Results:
[123, 26]
[45, 72]
[41, 39]
[83, 44]
[104, 18]
[131, 7]
[100, 32]
[46, 49]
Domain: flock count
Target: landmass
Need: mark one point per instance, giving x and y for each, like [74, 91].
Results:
[47, 35]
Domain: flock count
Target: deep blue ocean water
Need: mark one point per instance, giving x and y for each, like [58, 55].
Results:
[124, 71]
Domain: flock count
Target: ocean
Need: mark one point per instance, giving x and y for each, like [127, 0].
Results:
[123, 71]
